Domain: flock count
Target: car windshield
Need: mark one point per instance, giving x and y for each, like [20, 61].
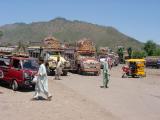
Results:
[30, 64]
[4, 62]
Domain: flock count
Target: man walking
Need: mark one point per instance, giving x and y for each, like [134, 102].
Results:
[105, 74]
[42, 82]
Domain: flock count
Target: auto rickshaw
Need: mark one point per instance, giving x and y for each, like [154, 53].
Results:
[134, 68]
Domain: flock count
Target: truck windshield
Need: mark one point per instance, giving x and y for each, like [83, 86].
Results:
[54, 53]
[87, 55]
[30, 64]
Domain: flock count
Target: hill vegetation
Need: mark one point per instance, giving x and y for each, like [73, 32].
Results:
[67, 31]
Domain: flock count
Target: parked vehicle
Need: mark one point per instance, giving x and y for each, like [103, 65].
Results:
[50, 49]
[134, 68]
[83, 57]
[18, 71]
[153, 61]
[102, 59]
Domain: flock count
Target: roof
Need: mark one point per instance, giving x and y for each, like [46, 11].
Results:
[6, 49]
[135, 60]
[23, 58]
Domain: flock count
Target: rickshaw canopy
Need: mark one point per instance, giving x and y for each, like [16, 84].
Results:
[135, 60]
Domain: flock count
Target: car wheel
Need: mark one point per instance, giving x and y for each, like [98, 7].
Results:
[14, 85]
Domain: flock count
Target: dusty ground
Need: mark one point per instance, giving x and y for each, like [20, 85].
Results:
[77, 97]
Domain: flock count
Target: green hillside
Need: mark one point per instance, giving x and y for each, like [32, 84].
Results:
[66, 31]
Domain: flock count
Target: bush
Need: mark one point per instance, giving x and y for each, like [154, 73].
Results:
[138, 54]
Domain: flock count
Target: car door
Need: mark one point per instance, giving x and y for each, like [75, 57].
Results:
[16, 71]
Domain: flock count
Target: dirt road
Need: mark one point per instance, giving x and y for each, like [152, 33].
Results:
[126, 98]
[77, 97]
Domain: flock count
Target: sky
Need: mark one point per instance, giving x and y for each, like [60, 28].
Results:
[139, 19]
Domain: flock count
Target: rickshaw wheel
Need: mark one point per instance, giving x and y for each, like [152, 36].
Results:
[124, 75]
[133, 76]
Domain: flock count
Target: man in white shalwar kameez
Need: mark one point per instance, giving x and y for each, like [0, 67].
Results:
[58, 70]
[42, 82]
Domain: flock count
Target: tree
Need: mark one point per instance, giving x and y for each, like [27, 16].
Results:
[129, 50]
[1, 34]
[150, 47]
[121, 54]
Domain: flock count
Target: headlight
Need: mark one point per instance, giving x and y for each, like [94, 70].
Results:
[26, 75]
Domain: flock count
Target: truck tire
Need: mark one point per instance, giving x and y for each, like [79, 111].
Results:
[65, 73]
[96, 73]
[48, 71]
[79, 70]
[14, 85]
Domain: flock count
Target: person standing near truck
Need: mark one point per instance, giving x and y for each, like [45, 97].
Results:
[58, 70]
[42, 81]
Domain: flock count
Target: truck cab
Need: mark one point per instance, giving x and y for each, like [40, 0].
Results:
[51, 61]
[87, 63]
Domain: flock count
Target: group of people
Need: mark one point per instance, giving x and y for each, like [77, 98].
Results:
[42, 80]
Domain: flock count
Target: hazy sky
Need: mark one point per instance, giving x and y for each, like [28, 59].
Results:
[137, 18]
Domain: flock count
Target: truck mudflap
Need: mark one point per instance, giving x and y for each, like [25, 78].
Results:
[1, 74]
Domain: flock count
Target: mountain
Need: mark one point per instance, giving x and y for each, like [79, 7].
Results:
[66, 31]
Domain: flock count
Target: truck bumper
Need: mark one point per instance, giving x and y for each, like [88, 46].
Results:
[90, 70]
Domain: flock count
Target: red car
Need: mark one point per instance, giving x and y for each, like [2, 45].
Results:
[18, 71]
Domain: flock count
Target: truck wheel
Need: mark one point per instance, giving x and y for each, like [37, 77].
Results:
[96, 73]
[14, 85]
[79, 71]
[48, 71]
[65, 73]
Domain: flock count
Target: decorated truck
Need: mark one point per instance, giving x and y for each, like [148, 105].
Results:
[102, 55]
[84, 56]
[106, 53]
[50, 49]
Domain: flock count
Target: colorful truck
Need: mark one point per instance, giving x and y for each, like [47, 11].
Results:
[83, 57]
[50, 48]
